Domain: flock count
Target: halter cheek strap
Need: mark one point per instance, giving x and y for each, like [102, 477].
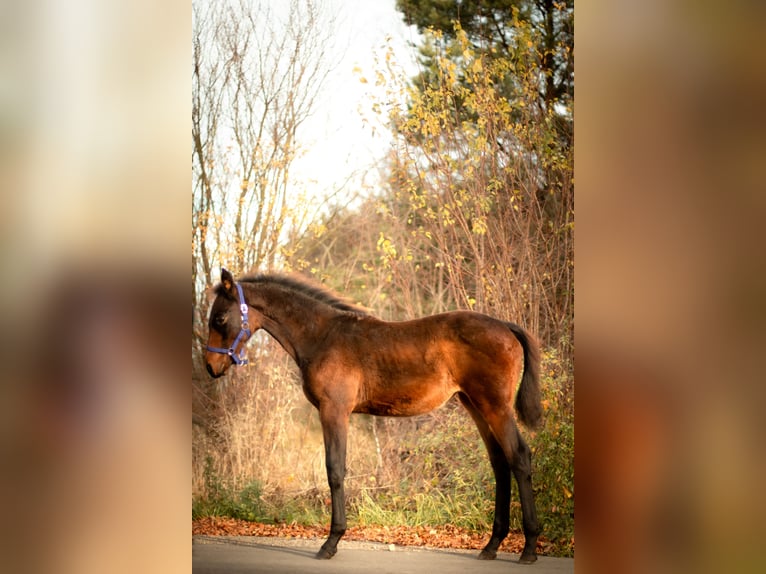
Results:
[244, 332]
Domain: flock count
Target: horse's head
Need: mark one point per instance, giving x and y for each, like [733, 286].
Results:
[229, 327]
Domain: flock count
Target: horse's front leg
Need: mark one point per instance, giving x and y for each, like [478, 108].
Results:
[335, 430]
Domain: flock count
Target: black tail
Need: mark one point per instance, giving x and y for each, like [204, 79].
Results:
[528, 407]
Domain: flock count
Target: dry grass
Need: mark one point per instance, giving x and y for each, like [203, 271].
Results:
[267, 432]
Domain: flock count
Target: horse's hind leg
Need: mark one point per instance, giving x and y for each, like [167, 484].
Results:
[522, 470]
[501, 524]
[507, 452]
[502, 470]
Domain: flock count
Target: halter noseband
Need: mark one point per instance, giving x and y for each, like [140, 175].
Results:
[240, 359]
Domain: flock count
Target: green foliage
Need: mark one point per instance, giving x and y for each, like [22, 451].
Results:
[219, 499]
[554, 482]
[544, 30]
[443, 477]
[249, 503]
[553, 457]
[432, 508]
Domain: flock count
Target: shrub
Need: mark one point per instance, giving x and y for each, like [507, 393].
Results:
[219, 499]
[553, 458]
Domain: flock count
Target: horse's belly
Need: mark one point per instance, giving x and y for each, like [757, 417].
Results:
[406, 404]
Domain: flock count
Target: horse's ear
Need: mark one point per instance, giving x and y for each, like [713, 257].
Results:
[227, 280]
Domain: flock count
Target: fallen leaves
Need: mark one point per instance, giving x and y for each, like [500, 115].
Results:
[432, 536]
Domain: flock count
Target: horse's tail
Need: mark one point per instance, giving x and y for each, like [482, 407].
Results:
[528, 406]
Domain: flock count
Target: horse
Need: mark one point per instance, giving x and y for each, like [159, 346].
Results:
[353, 362]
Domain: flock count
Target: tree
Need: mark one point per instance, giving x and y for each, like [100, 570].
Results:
[480, 191]
[257, 69]
[488, 136]
[477, 209]
[505, 28]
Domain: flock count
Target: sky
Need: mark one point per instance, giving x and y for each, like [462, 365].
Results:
[339, 145]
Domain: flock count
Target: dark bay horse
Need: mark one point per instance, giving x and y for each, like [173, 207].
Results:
[352, 362]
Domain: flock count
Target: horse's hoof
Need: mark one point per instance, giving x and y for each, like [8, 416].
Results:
[325, 554]
[487, 555]
[528, 559]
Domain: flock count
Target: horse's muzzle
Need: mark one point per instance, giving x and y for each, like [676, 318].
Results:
[212, 372]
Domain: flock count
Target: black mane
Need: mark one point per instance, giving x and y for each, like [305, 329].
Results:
[306, 287]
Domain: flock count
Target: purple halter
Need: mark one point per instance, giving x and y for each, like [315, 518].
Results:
[240, 359]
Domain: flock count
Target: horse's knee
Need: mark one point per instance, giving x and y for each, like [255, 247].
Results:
[335, 478]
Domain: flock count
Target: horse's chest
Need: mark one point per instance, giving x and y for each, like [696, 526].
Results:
[310, 393]
[332, 382]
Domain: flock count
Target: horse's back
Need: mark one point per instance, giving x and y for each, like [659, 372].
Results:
[458, 340]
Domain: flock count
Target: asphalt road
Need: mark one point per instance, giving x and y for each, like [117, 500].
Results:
[234, 555]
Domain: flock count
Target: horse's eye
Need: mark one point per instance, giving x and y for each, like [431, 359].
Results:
[220, 320]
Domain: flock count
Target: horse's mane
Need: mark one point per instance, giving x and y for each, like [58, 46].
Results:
[308, 288]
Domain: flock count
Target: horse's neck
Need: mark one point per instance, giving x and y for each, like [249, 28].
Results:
[296, 324]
